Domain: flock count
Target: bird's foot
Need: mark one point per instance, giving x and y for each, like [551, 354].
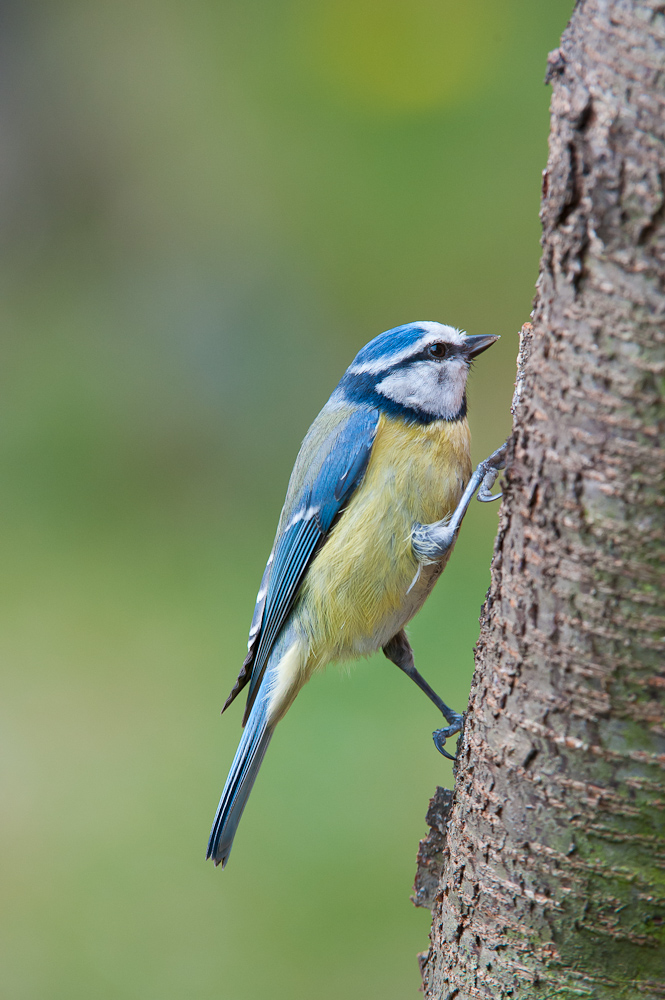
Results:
[484, 493]
[431, 542]
[455, 725]
[492, 465]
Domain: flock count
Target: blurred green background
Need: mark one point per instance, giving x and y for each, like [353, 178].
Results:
[207, 209]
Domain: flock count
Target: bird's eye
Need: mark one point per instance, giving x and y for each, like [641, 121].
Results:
[437, 351]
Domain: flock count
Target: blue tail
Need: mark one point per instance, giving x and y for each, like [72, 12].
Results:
[246, 763]
[249, 755]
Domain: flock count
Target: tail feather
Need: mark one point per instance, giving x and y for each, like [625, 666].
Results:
[277, 689]
[246, 763]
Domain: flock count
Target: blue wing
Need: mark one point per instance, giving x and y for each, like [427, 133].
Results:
[334, 472]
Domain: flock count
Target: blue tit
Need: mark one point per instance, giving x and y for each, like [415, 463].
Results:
[370, 517]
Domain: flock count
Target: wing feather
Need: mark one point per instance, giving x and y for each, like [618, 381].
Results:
[254, 636]
[336, 471]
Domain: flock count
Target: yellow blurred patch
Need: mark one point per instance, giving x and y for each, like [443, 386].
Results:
[401, 55]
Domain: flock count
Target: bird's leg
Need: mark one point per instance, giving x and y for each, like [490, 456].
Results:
[400, 653]
[432, 541]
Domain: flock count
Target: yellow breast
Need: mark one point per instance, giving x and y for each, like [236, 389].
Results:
[365, 583]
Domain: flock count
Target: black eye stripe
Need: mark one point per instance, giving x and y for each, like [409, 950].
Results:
[451, 351]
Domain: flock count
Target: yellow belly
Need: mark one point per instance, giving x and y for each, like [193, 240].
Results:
[366, 583]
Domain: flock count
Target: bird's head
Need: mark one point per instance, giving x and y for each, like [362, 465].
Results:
[417, 371]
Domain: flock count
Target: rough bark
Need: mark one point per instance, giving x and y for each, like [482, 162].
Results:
[550, 861]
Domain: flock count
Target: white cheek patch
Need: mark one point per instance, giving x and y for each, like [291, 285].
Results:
[430, 386]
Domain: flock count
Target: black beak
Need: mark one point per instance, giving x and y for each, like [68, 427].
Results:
[476, 345]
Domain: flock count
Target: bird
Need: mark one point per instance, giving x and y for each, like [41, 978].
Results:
[372, 510]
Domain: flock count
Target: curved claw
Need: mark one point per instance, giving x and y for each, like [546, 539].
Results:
[484, 495]
[493, 464]
[441, 735]
[440, 747]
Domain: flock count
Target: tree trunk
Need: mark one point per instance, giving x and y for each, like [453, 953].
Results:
[545, 871]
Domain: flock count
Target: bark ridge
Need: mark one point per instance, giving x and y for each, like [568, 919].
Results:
[552, 857]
